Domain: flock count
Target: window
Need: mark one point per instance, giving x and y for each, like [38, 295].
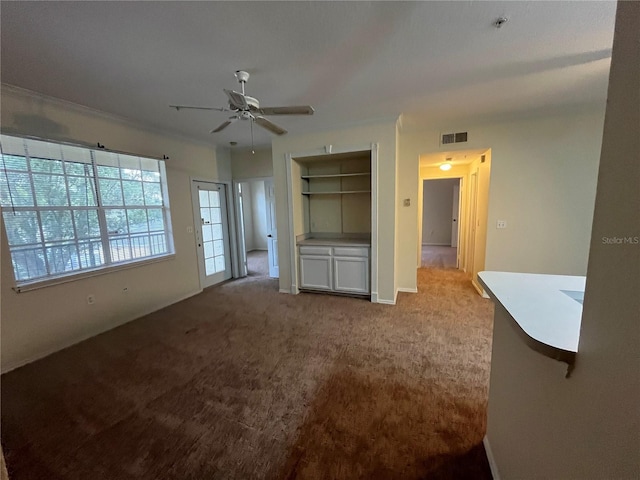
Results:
[69, 209]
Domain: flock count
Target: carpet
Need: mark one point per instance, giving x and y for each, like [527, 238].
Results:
[242, 382]
[435, 256]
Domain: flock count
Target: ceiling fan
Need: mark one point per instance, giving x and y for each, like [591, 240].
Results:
[245, 107]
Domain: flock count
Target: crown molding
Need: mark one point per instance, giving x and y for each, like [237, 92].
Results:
[83, 109]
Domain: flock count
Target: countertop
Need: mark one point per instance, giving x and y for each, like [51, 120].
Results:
[548, 317]
[352, 242]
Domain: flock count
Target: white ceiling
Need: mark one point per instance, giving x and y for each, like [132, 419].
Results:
[436, 63]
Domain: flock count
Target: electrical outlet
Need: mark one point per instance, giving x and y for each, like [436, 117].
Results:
[91, 299]
[189, 229]
[125, 290]
[501, 224]
[407, 202]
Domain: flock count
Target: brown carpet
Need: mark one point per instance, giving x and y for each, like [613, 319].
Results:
[436, 256]
[242, 382]
[257, 263]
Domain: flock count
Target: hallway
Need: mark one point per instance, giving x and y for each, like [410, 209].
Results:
[438, 257]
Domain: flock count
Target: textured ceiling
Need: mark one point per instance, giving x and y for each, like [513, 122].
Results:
[435, 63]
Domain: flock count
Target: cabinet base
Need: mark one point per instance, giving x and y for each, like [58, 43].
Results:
[340, 294]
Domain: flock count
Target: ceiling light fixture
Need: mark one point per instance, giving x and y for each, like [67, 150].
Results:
[447, 165]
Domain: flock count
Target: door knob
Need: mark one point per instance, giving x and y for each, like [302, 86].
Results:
[269, 236]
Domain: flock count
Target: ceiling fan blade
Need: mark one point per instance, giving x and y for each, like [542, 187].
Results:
[180, 107]
[224, 125]
[294, 110]
[272, 127]
[236, 99]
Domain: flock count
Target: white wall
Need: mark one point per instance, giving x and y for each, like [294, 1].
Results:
[245, 164]
[259, 206]
[543, 176]
[38, 322]
[384, 134]
[247, 210]
[540, 424]
[437, 210]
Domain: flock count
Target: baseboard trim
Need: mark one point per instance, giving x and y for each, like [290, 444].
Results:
[284, 290]
[479, 289]
[408, 290]
[105, 328]
[386, 302]
[437, 245]
[492, 462]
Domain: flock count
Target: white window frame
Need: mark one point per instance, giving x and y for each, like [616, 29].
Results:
[112, 250]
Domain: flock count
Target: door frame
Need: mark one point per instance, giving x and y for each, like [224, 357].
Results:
[240, 255]
[462, 213]
[231, 223]
[468, 213]
[242, 245]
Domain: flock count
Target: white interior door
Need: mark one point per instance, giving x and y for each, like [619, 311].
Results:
[455, 213]
[272, 231]
[212, 232]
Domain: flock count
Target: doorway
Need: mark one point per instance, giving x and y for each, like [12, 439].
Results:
[257, 239]
[440, 223]
[212, 232]
[472, 170]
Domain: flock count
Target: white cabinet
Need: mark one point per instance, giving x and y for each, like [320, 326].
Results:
[316, 272]
[335, 268]
[351, 275]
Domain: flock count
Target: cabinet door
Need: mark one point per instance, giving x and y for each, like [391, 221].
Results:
[351, 274]
[315, 272]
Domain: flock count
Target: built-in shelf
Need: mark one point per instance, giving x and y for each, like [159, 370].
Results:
[337, 175]
[336, 192]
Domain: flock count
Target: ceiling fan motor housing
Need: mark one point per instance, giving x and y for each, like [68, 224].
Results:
[253, 103]
[242, 76]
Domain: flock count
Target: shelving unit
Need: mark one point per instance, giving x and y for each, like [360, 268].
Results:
[335, 216]
[337, 192]
[335, 175]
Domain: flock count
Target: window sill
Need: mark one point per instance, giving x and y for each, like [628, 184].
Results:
[72, 277]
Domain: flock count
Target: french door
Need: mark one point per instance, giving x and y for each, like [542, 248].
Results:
[212, 232]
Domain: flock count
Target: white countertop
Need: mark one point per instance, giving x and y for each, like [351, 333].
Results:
[352, 242]
[540, 308]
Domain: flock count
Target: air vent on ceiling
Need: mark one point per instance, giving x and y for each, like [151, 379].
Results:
[459, 137]
[448, 138]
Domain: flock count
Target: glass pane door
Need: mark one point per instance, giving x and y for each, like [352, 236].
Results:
[212, 232]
